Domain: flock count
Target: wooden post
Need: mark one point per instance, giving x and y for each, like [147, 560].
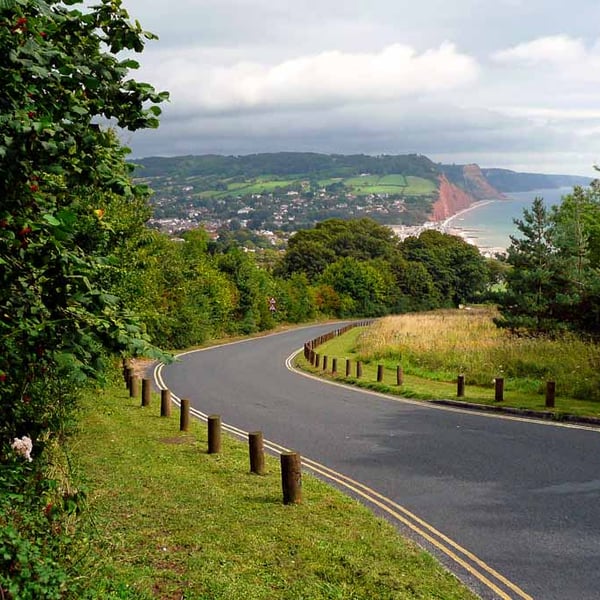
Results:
[358, 369]
[499, 389]
[291, 477]
[550, 393]
[460, 386]
[184, 415]
[325, 363]
[257, 452]
[146, 390]
[379, 373]
[214, 434]
[134, 385]
[165, 403]
[130, 374]
[399, 375]
[348, 367]
[334, 366]
[126, 370]
[317, 360]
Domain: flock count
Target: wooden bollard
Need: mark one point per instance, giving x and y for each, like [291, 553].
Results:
[165, 403]
[550, 393]
[134, 386]
[214, 434]
[399, 375]
[146, 391]
[257, 452]
[358, 369]
[291, 477]
[317, 360]
[126, 370]
[334, 366]
[499, 389]
[128, 377]
[348, 367]
[184, 415]
[379, 373]
[460, 386]
[325, 363]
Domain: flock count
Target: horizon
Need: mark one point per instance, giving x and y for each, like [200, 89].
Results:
[375, 155]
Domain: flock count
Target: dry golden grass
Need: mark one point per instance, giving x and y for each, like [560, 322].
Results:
[440, 344]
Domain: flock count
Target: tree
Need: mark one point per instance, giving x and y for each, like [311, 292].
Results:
[554, 280]
[577, 236]
[61, 170]
[458, 270]
[529, 301]
[363, 287]
[310, 251]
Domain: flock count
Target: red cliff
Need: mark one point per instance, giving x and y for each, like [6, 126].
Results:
[451, 200]
[477, 185]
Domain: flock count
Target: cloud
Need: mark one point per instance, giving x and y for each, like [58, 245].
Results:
[557, 49]
[330, 78]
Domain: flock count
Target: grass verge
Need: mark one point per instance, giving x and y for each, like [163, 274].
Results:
[428, 355]
[171, 522]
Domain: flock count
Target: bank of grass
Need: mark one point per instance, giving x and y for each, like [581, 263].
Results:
[433, 348]
[171, 522]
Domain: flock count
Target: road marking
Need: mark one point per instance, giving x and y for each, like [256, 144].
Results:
[476, 567]
[429, 405]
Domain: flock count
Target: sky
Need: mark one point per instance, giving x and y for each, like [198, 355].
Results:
[502, 83]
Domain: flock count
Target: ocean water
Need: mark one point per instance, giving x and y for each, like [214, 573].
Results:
[490, 225]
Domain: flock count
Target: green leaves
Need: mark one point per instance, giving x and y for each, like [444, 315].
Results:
[61, 172]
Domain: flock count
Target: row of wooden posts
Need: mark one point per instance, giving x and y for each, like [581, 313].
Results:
[320, 361]
[291, 471]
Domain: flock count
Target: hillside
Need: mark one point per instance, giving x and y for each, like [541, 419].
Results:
[512, 181]
[287, 191]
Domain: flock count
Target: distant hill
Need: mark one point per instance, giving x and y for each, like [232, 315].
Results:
[286, 191]
[507, 181]
[302, 164]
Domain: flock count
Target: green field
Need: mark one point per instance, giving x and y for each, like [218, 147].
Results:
[395, 184]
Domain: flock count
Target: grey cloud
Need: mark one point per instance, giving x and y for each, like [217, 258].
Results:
[516, 114]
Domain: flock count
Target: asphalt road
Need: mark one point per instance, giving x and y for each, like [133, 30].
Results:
[524, 497]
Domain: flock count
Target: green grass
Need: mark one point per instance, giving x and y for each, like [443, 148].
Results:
[370, 184]
[390, 184]
[426, 383]
[169, 520]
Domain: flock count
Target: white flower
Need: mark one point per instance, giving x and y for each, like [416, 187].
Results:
[23, 446]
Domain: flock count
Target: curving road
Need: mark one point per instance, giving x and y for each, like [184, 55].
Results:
[511, 506]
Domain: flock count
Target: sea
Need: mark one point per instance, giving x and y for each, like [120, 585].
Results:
[489, 225]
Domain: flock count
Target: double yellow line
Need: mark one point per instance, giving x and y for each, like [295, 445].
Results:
[477, 568]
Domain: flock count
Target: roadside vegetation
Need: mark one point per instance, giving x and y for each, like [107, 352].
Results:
[167, 520]
[433, 348]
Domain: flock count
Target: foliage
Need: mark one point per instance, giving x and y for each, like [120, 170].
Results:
[554, 281]
[67, 209]
[458, 270]
[361, 285]
[59, 73]
[36, 538]
[310, 251]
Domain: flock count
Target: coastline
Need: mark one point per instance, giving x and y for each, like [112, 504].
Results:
[448, 222]
[448, 226]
